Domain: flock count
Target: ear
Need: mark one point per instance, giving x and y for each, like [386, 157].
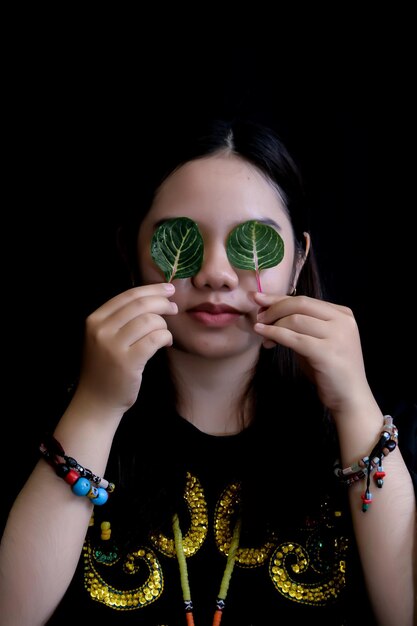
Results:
[307, 246]
[301, 260]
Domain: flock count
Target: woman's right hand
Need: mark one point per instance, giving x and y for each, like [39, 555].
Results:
[120, 337]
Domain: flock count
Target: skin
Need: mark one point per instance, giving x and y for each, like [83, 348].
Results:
[218, 194]
[202, 190]
[210, 356]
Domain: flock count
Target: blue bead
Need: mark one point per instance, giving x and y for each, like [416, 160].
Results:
[81, 487]
[101, 498]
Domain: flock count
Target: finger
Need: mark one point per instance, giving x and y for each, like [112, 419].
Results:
[136, 355]
[131, 295]
[153, 341]
[143, 350]
[131, 310]
[138, 328]
[141, 306]
[291, 305]
[304, 345]
[304, 325]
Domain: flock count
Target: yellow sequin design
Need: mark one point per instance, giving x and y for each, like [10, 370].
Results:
[136, 598]
[291, 561]
[224, 520]
[309, 571]
[195, 536]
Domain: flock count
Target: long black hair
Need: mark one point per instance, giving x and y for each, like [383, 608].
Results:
[276, 375]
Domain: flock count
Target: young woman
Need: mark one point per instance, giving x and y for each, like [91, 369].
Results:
[231, 409]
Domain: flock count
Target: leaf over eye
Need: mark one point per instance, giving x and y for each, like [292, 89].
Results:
[177, 248]
[254, 246]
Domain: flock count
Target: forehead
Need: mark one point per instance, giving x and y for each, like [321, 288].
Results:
[218, 187]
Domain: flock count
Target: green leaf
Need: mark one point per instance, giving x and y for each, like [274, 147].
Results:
[177, 248]
[254, 246]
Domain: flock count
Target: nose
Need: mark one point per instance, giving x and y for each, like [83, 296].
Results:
[216, 272]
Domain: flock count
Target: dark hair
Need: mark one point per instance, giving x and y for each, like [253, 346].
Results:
[257, 144]
[276, 370]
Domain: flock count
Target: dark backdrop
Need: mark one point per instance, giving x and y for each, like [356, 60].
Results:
[74, 158]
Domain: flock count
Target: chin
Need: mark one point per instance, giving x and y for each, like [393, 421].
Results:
[217, 349]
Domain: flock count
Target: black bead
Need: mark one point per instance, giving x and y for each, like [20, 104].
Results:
[390, 445]
[62, 470]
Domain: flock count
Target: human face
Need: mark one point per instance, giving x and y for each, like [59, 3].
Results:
[216, 312]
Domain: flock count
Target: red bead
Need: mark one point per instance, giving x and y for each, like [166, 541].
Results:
[71, 477]
[379, 474]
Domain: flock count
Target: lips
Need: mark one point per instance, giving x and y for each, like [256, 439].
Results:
[214, 315]
[214, 309]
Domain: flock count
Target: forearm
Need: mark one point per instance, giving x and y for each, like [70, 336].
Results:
[44, 534]
[386, 532]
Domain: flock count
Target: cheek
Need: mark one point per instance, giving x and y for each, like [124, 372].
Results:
[151, 275]
[180, 297]
[277, 279]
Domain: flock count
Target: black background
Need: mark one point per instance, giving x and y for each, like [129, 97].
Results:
[78, 96]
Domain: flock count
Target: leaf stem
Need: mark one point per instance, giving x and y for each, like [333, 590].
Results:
[258, 281]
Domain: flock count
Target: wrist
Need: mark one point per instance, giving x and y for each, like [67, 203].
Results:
[371, 463]
[82, 480]
[357, 425]
[87, 429]
[86, 406]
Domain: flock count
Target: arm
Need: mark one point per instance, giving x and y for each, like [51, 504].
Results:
[326, 339]
[45, 531]
[386, 533]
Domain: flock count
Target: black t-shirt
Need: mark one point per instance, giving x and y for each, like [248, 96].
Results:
[286, 574]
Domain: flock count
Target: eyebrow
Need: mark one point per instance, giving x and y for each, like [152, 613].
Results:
[261, 220]
[269, 222]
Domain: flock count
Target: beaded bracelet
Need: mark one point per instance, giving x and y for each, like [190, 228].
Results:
[386, 443]
[81, 479]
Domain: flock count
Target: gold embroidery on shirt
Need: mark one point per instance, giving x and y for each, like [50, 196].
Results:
[224, 520]
[125, 599]
[196, 534]
[310, 570]
[291, 561]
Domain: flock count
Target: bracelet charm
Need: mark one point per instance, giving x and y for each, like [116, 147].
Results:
[386, 443]
[81, 479]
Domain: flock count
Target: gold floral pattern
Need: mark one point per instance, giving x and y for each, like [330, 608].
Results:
[310, 570]
[124, 599]
[194, 538]
[291, 560]
[224, 519]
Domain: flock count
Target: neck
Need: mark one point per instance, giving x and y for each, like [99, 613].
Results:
[210, 391]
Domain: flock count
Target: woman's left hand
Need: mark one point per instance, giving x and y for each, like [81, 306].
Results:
[325, 336]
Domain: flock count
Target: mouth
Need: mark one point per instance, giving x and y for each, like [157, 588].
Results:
[214, 315]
